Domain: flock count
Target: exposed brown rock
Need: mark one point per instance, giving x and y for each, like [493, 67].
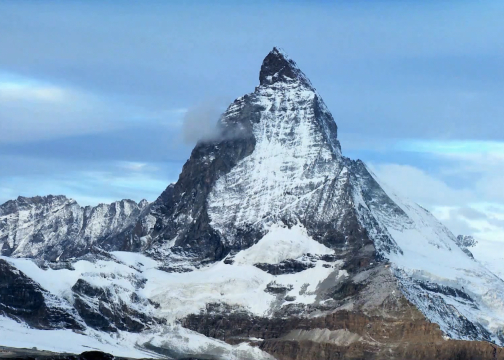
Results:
[447, 350]
[375, 321]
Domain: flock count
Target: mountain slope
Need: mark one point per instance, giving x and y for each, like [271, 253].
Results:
[270, 244]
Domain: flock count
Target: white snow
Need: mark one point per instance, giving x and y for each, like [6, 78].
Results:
[59, 282]
[279, 244]
[188, 294]
[179, 294]
[130, 345]
[137, 260]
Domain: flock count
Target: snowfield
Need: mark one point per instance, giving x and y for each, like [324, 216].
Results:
[279, 244]
[176, 339]
[181, 294]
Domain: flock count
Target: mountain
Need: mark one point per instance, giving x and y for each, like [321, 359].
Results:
[271, 244]
[55, 227]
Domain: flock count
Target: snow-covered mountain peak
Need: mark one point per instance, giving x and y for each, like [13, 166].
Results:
[286, 94]
[296, 153]
[143, 203]
[278, 67]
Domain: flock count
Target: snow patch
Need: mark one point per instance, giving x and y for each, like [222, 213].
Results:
[279, 244]
[17, 335]
[340, 337]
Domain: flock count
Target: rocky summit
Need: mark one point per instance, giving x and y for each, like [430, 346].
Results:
[271, 245]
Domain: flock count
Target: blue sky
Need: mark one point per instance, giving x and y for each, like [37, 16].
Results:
[95, 96]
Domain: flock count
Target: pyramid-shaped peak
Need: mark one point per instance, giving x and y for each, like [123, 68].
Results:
[278, 67]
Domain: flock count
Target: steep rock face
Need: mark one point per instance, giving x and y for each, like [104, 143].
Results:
[178, 224]
[55, 227]
[103, 308]
[295, 171]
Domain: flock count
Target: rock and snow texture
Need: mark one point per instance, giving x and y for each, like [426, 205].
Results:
[297, 175]
[277, 161]
[294, 171]
[444, 282]
[55, 227]
[133, 280]
[270, 221]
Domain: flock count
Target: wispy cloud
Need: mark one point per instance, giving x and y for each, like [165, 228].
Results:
[32, 110]
[200, 121]
[88, 182]
[10, 91]
[132, 165]
[454, 147]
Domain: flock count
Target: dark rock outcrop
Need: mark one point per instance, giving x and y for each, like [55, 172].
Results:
[103, 310]
[465, 242]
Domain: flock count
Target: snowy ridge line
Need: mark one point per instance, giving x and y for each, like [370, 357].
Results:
[55, 227]
[434, 272]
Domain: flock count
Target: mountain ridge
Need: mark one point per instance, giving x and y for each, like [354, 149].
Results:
[56, 227]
